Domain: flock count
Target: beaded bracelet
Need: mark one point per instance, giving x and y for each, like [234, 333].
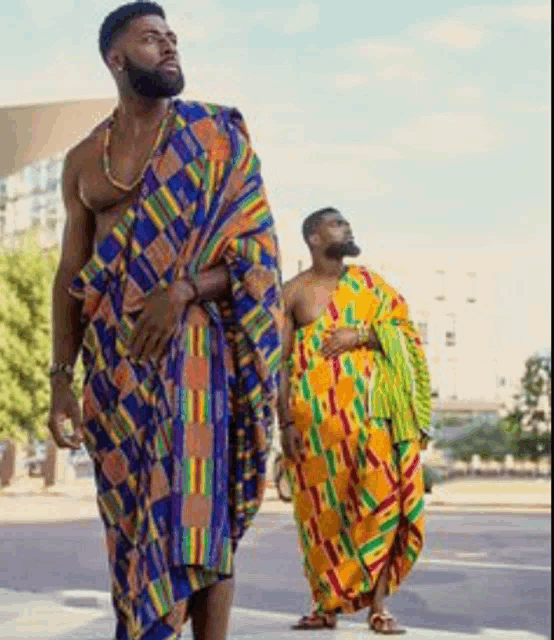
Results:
[193, 286]
[288, 424]
[61, 367]
[362, 335]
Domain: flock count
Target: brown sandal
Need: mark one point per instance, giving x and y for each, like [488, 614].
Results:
[316, 621]
[379, 623]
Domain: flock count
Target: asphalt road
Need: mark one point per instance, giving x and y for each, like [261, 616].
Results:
[478, 571]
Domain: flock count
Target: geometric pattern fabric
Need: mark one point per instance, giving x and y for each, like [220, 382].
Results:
[179, 446]
[358, 487]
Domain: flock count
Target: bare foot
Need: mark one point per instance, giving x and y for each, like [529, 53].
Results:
[381, 621]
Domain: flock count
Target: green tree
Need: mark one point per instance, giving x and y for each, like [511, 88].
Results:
[25, 344]
[489, 441]
[527, 420]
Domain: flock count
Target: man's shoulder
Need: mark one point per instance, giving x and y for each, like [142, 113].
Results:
[292, 287]
[195, 110]
[371, 278]
[210, 122]
[87, 147]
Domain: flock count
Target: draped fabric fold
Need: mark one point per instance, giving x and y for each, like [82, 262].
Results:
[180, 446]
[358, 486]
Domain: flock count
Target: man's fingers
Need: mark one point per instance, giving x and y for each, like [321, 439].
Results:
[77, 437]
[160, 348]
[140, 341]
[151, 344]
[138, 330]
[55, 425]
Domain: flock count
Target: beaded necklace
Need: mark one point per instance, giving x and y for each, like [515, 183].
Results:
[107, 139]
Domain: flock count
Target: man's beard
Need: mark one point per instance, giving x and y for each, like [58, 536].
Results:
[339, 250]
[154, 84]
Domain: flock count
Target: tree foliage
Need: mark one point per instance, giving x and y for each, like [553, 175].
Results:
[525, 425]
[26, 277]
[490, 441]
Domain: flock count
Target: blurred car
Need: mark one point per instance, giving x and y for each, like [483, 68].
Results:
[430, 478]
[35, 463]
[82, 463]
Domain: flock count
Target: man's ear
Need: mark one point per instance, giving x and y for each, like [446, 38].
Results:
[115, 60]
[314, 240]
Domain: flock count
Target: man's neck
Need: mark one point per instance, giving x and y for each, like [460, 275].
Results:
[327, 267]
[136, 114]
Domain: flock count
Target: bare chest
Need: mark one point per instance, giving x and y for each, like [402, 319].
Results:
[102, 191]
[312, 300]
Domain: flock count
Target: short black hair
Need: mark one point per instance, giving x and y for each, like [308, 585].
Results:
[312, 222]
[116, 22]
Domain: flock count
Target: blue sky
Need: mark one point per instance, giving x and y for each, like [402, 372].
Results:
[427, 123]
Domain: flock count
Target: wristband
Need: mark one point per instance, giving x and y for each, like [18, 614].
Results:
[289, 423]
[61, 367]
[193, 286]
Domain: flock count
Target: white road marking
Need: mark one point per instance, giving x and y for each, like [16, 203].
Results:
[43, 619]
[359, 630]
[485, 565]
[47, 620]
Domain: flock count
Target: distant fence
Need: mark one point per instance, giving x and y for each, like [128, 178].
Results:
[508, 467]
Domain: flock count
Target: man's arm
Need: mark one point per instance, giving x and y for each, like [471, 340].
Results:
[213, 284]
[291, 437]
[77, 246]
[283, 407]
[368, 338]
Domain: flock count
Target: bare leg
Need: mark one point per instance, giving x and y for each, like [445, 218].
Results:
[210, 609]
[377, 606]
[380, 620]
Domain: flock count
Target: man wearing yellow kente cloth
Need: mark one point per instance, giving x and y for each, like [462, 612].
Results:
[353, 410]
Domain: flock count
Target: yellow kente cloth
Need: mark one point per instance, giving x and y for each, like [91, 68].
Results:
[358, 488]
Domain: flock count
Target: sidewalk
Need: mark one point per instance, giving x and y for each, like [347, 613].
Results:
[87, 615]
[30, 502]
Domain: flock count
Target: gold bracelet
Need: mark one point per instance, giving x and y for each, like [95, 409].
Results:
[289, 423]
[193, 286]
[61, 367]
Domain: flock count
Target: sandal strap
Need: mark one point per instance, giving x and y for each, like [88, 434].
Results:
[384, 616]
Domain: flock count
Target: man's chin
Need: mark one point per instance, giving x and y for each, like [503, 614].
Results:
[349, 250]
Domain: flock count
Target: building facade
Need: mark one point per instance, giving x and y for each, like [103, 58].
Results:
[31, 200]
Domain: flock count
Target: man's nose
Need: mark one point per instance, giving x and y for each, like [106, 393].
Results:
[168, 47]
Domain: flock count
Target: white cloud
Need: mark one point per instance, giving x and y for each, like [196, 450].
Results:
[401, 72]
[455, 33]
[303, 18]
[449, 133]
[200, 26]
[467, 93]
[390, 62]
[321, 165]
[347, 81]
[46, 14]
[382, 50]
[536, 13]
[300, 19]
[529, 108]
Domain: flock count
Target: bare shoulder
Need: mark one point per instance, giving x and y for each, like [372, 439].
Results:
[86, 148]
[293, 288]
[386, 287]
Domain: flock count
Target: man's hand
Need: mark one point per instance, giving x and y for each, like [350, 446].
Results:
[291, 441]
[157, 322]
[64, 406]
[338, 341]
